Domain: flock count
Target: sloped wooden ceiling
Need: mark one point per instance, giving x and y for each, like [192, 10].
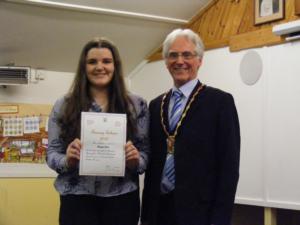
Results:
[231, 23]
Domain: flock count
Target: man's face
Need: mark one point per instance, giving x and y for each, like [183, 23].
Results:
[182, 61]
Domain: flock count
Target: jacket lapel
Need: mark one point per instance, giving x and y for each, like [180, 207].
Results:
[166, 110]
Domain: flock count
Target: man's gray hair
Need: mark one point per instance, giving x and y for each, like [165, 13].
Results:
[189, 34]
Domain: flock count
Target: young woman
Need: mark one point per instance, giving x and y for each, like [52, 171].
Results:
[97, 87]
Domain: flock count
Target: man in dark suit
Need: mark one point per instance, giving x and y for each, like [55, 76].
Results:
[195, 140]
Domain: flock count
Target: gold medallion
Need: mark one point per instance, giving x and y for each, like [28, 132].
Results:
[170, 144]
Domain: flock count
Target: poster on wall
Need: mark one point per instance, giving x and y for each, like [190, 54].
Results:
[31, 125]
[12, 127]
[24, 142]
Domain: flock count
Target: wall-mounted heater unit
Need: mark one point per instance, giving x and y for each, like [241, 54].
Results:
[14, 75]
[291, 30]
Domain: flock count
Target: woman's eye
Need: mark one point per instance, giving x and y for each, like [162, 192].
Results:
[91, 61]
[107, 61]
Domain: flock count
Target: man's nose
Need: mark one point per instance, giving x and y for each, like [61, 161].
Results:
[180, 59]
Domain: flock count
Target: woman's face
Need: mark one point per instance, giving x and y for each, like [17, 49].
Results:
[99, 67]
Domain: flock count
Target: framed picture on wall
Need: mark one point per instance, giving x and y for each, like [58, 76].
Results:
[268, 11]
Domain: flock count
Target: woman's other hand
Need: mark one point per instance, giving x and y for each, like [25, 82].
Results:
[132, 155]
[73, 153]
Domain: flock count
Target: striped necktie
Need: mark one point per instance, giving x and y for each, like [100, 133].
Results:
[176, 110]
[168, 177]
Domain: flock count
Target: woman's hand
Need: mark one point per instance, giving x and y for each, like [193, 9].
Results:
[132, 155]
[73, 153]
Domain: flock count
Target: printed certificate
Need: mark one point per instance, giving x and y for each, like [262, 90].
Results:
[103, 137]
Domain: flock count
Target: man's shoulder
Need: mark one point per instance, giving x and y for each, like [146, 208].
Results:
[216, 92]
[158, 99]
[217, 97]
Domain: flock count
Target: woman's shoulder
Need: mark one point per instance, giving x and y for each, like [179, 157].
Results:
[136, 99]
[59, 103]
[138, 102]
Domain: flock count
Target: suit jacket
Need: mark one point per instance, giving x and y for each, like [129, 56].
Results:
[206, 158]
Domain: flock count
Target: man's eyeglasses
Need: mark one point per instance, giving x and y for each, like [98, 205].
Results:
[185, 55]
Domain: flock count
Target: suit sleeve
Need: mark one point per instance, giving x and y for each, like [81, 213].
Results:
[228, 157]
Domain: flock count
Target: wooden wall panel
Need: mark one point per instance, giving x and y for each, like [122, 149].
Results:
[257, 38]
[231, 23]
[297, 7]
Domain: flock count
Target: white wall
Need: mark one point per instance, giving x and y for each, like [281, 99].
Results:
[46, 91]
[151, 80]
[268, 112]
